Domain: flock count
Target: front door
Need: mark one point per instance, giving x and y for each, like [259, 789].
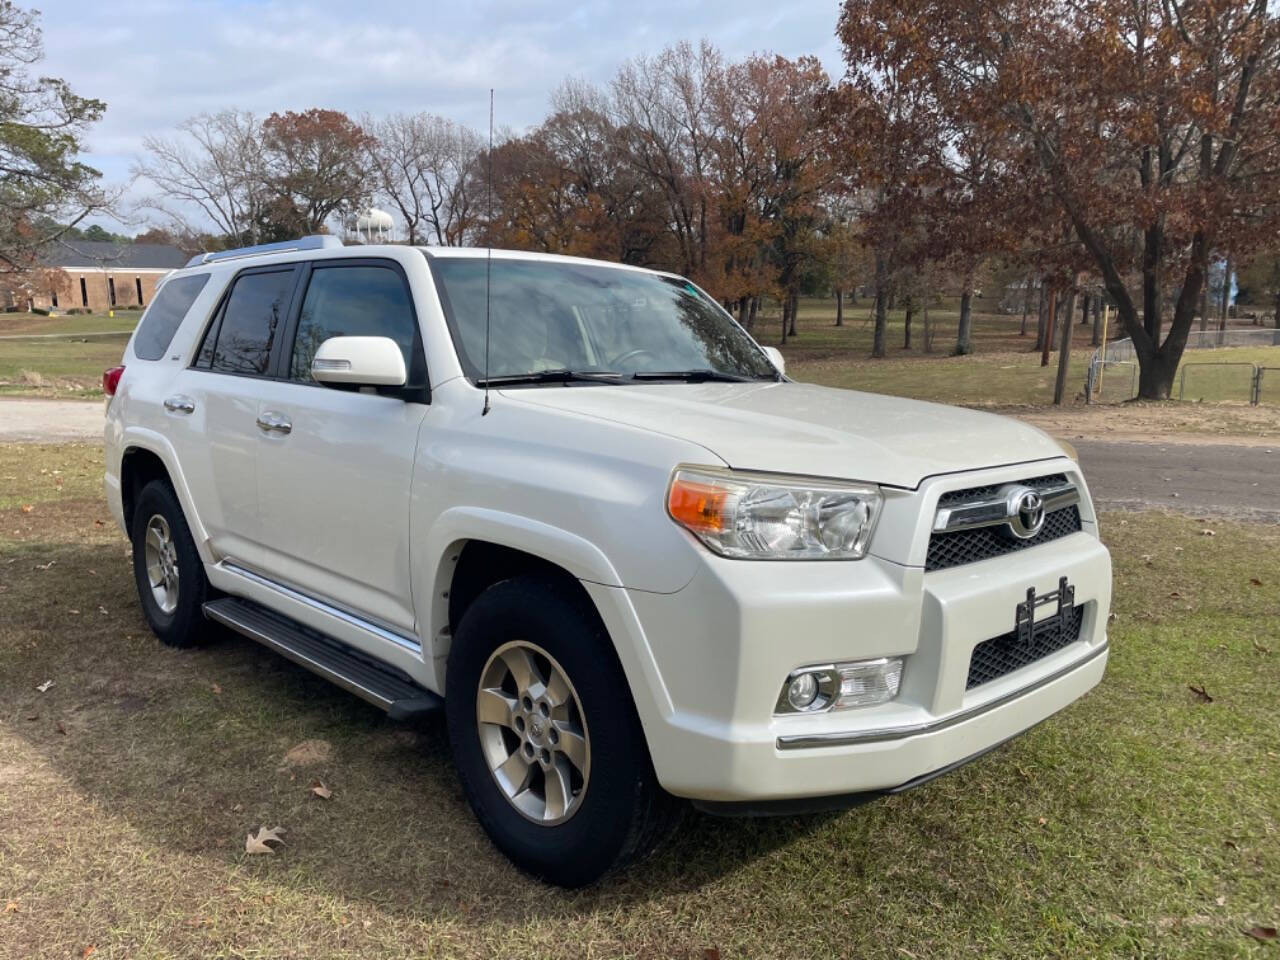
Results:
[334, 465]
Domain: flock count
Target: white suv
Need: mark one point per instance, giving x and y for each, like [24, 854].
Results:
[574, 505]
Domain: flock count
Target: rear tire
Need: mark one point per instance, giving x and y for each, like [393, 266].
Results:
[566, 810]
[167, 568]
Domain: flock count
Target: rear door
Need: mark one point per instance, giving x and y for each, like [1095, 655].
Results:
[214, 406]
[334, 474]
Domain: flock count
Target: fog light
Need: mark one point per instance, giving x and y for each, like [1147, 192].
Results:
[866, 682]
[802, 691]
[840, 686]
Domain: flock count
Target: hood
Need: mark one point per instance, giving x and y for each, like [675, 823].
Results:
[806, 429]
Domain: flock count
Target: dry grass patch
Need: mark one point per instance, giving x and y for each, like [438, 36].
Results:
[1140, 821]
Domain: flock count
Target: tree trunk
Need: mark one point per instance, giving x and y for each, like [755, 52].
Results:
[1048, 327]
[744, 305]
[893, 297]
[839, 308]
[1084, 310]
[882, 293]
[853, 296]
[1275, 319]
[794, 299]
[1026, 306]
[786, 308]
[755, 308]
[1042, 319]
[906, 339]
[928, 330]
[1064, 349]
[1097, 321]
[1225, 302]
[1204, 307]
[964, 332]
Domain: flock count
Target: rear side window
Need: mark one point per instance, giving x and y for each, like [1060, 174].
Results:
[356, 301]
[165, 316]
[251, 320]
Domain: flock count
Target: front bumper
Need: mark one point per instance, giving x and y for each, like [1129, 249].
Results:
[718, 651]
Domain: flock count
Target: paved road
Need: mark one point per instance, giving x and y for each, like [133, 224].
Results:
[1194, 478]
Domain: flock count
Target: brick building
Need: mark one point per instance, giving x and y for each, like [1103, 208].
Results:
[102, 276]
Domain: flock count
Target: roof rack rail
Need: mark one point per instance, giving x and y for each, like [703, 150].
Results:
[314, 242]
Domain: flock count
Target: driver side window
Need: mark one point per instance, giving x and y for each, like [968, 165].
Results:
[356, 301]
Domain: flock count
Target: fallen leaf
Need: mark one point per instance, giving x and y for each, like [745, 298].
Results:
[1222, 901]
[88, 951]
[711, 953]
[1207, 533]
[33, 716]
[1042, 821]
[1175, 595]
[102, 610]
[258, 844]
[11, 906]
[321, 791]
[62, 729]
[45, 566]
[217, 689]
[1201, 694]
[238, 808]
[27, 508]
[308, 752]
[1254, 581]
[44, 687]
[1261, 933]
[1230, 844]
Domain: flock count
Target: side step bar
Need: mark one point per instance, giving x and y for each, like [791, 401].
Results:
[380, 684]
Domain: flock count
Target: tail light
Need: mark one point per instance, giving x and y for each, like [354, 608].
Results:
[111, 380]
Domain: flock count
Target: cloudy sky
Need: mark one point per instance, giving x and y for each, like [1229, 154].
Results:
[156, 62]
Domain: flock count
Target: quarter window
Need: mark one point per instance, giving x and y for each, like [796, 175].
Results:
[356, 301]
[251, 320]
[161, 322]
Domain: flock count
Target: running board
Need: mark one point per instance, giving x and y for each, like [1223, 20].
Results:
[380, 684]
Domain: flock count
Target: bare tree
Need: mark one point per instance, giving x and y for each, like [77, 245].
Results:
[216, 164]
[424, 166]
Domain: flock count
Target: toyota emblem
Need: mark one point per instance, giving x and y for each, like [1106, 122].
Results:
[1025, 512]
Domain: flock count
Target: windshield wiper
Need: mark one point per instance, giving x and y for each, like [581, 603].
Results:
[692, 376]
[560, 375]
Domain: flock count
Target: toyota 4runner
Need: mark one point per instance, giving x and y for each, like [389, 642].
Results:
[577, 508]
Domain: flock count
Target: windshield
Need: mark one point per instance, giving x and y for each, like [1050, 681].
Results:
[587, 319]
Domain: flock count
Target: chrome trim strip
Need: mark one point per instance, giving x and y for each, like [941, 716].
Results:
[853, 737]
[994, 511]
[346, 616]
[297, 656]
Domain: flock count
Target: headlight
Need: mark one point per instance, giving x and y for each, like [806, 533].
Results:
[773, 517]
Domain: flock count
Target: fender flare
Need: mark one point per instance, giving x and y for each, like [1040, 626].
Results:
[153, 442]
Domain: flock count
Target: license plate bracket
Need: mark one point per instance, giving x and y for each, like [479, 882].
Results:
[1025, 614]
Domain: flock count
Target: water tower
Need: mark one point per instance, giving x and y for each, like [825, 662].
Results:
[375, 226]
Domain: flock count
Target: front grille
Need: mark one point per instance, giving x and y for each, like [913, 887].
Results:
[970, 546]
[983, 543]
[1001, 655]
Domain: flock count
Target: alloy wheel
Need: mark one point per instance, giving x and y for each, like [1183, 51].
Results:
[533, 732]
[162, 564]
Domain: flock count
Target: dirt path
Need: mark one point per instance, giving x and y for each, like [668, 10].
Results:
[49, 421]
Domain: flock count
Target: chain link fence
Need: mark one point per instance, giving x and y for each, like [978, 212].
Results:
[1112, 376]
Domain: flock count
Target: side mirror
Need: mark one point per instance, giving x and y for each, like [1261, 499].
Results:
[775, 357]
[359, 361]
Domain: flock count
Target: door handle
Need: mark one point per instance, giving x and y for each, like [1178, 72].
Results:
[180, 404]
[272, 422]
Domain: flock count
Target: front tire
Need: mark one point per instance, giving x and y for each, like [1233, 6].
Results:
[545, 736]
[172, 586]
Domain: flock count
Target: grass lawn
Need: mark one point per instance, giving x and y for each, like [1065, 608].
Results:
[1003, 370]
[60, 356]
[1141, 821]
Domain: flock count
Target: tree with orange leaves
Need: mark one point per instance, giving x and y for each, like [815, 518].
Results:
[1150, 127]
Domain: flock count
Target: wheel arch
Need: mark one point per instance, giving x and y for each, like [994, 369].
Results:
[148, 456]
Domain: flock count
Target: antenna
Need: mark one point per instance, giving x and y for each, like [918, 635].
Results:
[488, 256]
